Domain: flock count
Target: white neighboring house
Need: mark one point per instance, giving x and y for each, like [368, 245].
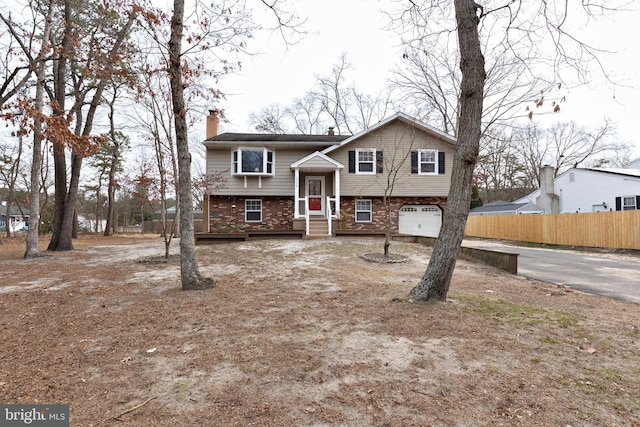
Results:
[589, 190]
[89, 225]
[16, 220]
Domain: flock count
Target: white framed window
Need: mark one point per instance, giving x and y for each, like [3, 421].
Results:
[363, 210]
[629, 203]
[366, 161]
[252, 161]
[253, 210]
[427, 162]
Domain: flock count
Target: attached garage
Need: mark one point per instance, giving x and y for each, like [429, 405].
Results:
[420, 220]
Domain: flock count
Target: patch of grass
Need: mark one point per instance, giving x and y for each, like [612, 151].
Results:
[587, 386]
[501, 308]
[605, 375]
[548, 340]
[514, 311]
[181, 388]
[564, 319]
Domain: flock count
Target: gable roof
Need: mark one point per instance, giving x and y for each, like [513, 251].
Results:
[403, 118]
[331, 142]
[317, 160]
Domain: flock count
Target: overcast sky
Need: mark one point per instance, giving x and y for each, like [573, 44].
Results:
[355, 27]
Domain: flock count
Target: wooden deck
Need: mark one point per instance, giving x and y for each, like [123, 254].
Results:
[359, 232]
[213, 238]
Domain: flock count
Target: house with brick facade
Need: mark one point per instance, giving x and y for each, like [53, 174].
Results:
[322, 184]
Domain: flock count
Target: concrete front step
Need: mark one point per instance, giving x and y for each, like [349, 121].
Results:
[318, 228]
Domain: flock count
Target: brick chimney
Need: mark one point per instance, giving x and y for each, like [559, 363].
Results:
[213, 124]
[331, 132]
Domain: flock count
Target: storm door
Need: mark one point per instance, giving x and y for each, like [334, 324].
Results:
[315, 193]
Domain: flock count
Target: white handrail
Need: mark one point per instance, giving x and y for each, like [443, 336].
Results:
[306, 212]
[329, 216]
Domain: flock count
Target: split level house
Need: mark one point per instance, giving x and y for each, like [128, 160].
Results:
[322, 183]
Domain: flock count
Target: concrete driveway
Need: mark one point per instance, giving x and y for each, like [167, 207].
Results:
[607, 274]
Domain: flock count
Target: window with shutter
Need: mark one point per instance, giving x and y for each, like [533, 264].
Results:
[365, 161]
[427, 162]
[629, 203]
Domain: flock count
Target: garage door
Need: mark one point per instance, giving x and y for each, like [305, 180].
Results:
[420, 220]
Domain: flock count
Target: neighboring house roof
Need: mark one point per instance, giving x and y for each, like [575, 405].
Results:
[397, 116]
[14, 211]
[617, 171]
[635, 164]
[502, 207]
[171, 213]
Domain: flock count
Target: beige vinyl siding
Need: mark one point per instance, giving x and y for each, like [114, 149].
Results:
[399, 139]
[280, 184]
[317, 162]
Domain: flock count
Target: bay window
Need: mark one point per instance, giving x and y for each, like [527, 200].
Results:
[252, 161]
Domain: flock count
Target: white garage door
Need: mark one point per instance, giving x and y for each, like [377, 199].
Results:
[420, 220]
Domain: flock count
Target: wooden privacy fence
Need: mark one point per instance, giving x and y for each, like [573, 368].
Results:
[618, 230]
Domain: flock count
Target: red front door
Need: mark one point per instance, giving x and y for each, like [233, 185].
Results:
[314, 192]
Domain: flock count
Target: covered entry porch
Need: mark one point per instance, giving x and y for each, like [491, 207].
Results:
[316, 194]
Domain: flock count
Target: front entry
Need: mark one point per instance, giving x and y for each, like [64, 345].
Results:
[315, 194]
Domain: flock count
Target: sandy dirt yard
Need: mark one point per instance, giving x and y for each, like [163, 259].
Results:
[306, 333]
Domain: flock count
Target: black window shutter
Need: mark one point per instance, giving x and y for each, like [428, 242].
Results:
[440, 162]
[379, 162]
[352, 161]
[637, 202]
[414, 162]
[618, 203]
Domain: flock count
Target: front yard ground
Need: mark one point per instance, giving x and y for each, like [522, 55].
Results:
[306, 333]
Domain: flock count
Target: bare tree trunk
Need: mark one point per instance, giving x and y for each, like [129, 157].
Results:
[434, 285]
[12, 177]
[110, 226]
[175, 230]
[59, 158]
[32, 250]
[387, 233]
[65, 220]
[191, 278]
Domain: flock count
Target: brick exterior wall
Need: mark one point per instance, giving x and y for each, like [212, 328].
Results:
[378, 215]
[277, 212]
